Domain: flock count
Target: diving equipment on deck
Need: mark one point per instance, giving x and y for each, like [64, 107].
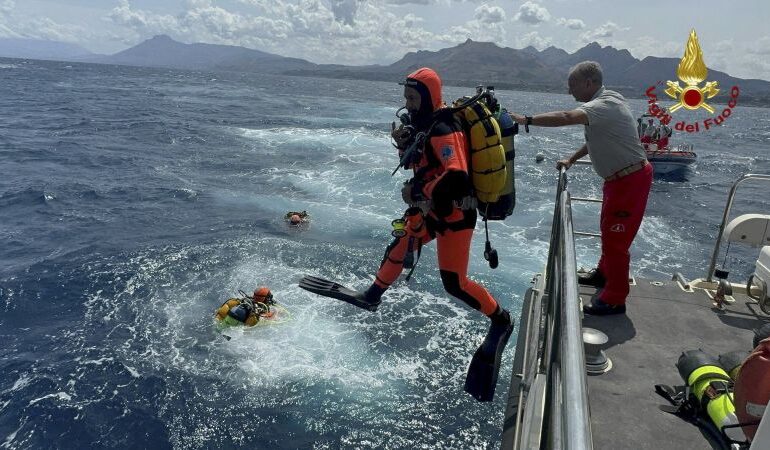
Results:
[711, 388]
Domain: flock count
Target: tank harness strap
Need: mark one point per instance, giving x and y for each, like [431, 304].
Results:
[677, 396]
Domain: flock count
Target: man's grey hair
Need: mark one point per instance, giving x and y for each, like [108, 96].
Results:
[587, 70]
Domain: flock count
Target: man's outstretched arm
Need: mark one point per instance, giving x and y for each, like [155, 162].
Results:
[554, 119]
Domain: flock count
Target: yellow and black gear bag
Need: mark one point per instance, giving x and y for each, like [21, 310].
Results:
[490, 160]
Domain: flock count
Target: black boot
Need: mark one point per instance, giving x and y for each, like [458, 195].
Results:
[499, 331]
[593, 278]
[373, 295]
[485, 365]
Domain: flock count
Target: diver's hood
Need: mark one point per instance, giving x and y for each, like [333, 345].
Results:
[428, 84]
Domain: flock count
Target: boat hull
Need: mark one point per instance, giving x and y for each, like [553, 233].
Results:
[669, 162]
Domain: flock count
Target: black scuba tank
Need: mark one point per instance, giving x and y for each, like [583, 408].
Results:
[239, 313]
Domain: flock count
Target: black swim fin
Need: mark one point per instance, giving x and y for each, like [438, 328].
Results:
[485, 365]
[335, 290]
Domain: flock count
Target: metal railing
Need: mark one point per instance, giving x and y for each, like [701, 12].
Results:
[726, 214]
[555, 414]
[585, 162]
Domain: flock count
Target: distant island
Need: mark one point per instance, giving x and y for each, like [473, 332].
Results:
[468, 64]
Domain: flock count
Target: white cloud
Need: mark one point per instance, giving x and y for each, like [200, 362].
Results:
[572, 24]
[532, 13]
[428, 2]
[140, 21]
[344, 10]
[44, 28]
[47, 29]
[196, 3]
[644, 46]
[760, 47]
[489, 14]
[346, 31]
[602, 32]
[6, 6]
[406, 2]
[743, 60]
[487, 25]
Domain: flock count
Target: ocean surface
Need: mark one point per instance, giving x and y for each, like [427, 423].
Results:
[134, 201]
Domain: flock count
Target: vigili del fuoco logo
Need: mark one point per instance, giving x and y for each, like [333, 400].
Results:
[692, 72]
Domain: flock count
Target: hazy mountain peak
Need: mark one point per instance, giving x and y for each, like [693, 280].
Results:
[592, 46]
[41, 49]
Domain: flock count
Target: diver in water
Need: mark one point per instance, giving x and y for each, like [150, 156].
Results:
[297, 218]
[246, 310]
[439, 209]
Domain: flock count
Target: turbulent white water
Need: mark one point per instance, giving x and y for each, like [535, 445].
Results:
[140, 199]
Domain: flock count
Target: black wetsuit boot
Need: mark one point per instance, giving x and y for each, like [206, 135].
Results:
[485, 365]
[499, 331]
[373, 295]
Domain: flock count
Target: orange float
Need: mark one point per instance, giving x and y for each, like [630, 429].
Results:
[752, 388]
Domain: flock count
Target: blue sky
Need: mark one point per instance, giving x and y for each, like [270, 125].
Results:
[734, 38]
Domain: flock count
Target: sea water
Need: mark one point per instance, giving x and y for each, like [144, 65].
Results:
[134, 201]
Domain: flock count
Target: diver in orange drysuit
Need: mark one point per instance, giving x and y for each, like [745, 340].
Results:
[440, 186]
[440, 178]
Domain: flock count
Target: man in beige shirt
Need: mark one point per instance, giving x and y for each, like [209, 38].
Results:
[617, 156]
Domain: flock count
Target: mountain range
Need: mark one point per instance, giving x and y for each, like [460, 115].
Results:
[37, 49]
[468, 64]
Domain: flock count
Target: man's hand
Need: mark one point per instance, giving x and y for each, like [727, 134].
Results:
[563, 162]
[401, 135]
[521, 120]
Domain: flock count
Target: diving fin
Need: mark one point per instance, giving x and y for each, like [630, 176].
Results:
[485, 365]
[335, 290]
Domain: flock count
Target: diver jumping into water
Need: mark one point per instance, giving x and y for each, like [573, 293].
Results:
[434, 146]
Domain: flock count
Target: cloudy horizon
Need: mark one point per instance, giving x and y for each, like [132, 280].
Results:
[358, 32]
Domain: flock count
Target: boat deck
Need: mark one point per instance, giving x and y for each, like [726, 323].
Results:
[661, 321]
